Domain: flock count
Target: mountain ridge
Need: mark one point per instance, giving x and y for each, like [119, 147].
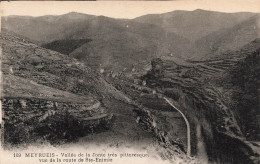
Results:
[230, 39]
[195, 24]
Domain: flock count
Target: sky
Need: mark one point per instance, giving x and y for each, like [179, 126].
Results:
[124, 9]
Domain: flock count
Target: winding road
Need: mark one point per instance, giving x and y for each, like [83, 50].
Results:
[187, 124]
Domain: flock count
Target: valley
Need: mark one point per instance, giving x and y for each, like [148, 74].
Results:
[55, 105]
[184, 91]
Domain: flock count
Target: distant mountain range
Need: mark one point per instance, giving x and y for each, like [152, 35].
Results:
[123, 44]
[196, 24]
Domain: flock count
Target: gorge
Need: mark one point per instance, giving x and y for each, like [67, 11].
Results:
[183, 84]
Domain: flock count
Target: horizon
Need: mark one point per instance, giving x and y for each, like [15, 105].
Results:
[123, 9]
[124, 18]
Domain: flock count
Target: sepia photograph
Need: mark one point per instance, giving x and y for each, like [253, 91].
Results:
[158, 82]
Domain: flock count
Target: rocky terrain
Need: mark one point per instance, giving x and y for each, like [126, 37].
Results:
[39, 83]
[32, 92]
[210, 93]
[50, 97]
[129, 83]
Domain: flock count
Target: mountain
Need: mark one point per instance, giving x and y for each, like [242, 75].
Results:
[229, 39]
[137, 80]
[192, 25]
[100, 41]
[196, 24]
[38, 84]
[49, 28]
[52, 97]
[244, 82]
[221, 96]
[27, 60]
[129, 45]
[110, 41]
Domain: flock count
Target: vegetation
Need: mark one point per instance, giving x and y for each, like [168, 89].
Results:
[245, 82]
[65, 46]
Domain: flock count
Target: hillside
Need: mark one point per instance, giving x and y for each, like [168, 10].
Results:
[65, 46]
[50, 97]
[112, 40]
[229, 39]
[221, 96]
[196, 24]
[136, 42]
[53, 98]
[50, 27]
[55, 70]
[100, 41]
[32, 94]
[133, 82]
[244, 82]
